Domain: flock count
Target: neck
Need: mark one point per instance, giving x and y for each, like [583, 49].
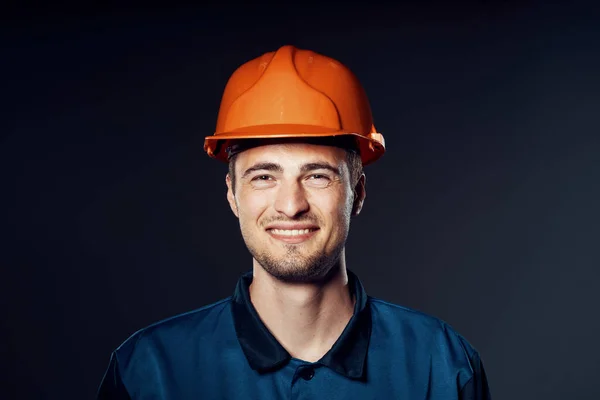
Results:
[305, 318]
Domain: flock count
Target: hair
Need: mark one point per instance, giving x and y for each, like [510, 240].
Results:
[355, 167]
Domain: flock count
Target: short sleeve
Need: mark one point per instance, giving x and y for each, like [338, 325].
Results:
[112, 387]
[477, 387]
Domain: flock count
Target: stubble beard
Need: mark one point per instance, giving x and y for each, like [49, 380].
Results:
[295, 267]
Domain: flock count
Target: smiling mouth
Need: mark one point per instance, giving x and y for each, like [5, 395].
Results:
[291, 232]
[292, 235]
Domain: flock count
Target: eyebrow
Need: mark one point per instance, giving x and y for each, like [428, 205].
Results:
[263, 166]
[267, 166]
[319, 165]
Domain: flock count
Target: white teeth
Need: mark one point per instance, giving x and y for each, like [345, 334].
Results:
[290, 232]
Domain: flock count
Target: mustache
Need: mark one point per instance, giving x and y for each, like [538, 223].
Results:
[313, 219]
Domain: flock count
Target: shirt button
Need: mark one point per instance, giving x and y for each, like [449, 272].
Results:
[307, 373]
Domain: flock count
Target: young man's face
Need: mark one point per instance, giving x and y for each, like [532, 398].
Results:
[294, 203]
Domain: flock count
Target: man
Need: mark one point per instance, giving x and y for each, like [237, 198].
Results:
[296, 129]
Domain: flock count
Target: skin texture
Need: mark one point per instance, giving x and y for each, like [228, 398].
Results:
[300, 287]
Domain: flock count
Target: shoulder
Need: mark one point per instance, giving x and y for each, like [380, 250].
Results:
[425, 334]
[391, 314]
[428, 341]
[410, 320]
[174, 331]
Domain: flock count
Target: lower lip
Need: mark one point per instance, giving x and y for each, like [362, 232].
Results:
[295, 239]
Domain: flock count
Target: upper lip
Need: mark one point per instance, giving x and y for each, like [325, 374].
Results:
[289, 227]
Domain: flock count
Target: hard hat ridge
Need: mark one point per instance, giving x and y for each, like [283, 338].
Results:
[293, 93]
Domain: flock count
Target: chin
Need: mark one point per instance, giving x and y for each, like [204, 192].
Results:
[299, 269]
[296, 276]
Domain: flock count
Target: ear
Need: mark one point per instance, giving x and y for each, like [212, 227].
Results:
[359, 195]
[231, 196]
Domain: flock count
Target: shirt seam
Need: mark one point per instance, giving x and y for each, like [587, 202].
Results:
[466, 383]
[121, 377]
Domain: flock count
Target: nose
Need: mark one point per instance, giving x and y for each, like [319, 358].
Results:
[291, 199]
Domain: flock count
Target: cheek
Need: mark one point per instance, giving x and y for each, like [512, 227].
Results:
[338, 210]
[251, 207]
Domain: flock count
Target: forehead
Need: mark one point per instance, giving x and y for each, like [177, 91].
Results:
[291, 155]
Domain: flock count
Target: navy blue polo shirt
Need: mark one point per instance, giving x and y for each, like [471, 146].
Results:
[224, 351]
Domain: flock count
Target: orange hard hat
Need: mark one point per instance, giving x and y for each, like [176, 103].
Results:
[294, 93]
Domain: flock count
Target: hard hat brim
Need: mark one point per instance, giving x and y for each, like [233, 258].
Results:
[370, 148]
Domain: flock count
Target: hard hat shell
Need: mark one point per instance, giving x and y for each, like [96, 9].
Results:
[294, 93]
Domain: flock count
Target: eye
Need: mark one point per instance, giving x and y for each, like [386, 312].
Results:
[318, 180]
[262, 178]
[263, 181]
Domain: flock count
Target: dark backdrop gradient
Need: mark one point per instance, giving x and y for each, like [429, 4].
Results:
[483, 212]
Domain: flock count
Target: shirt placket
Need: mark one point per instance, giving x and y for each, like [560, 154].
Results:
[303, 381]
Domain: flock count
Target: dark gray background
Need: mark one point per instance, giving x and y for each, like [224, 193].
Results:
[483, 212]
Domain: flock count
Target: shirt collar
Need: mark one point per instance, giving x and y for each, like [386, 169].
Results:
[264, 353]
